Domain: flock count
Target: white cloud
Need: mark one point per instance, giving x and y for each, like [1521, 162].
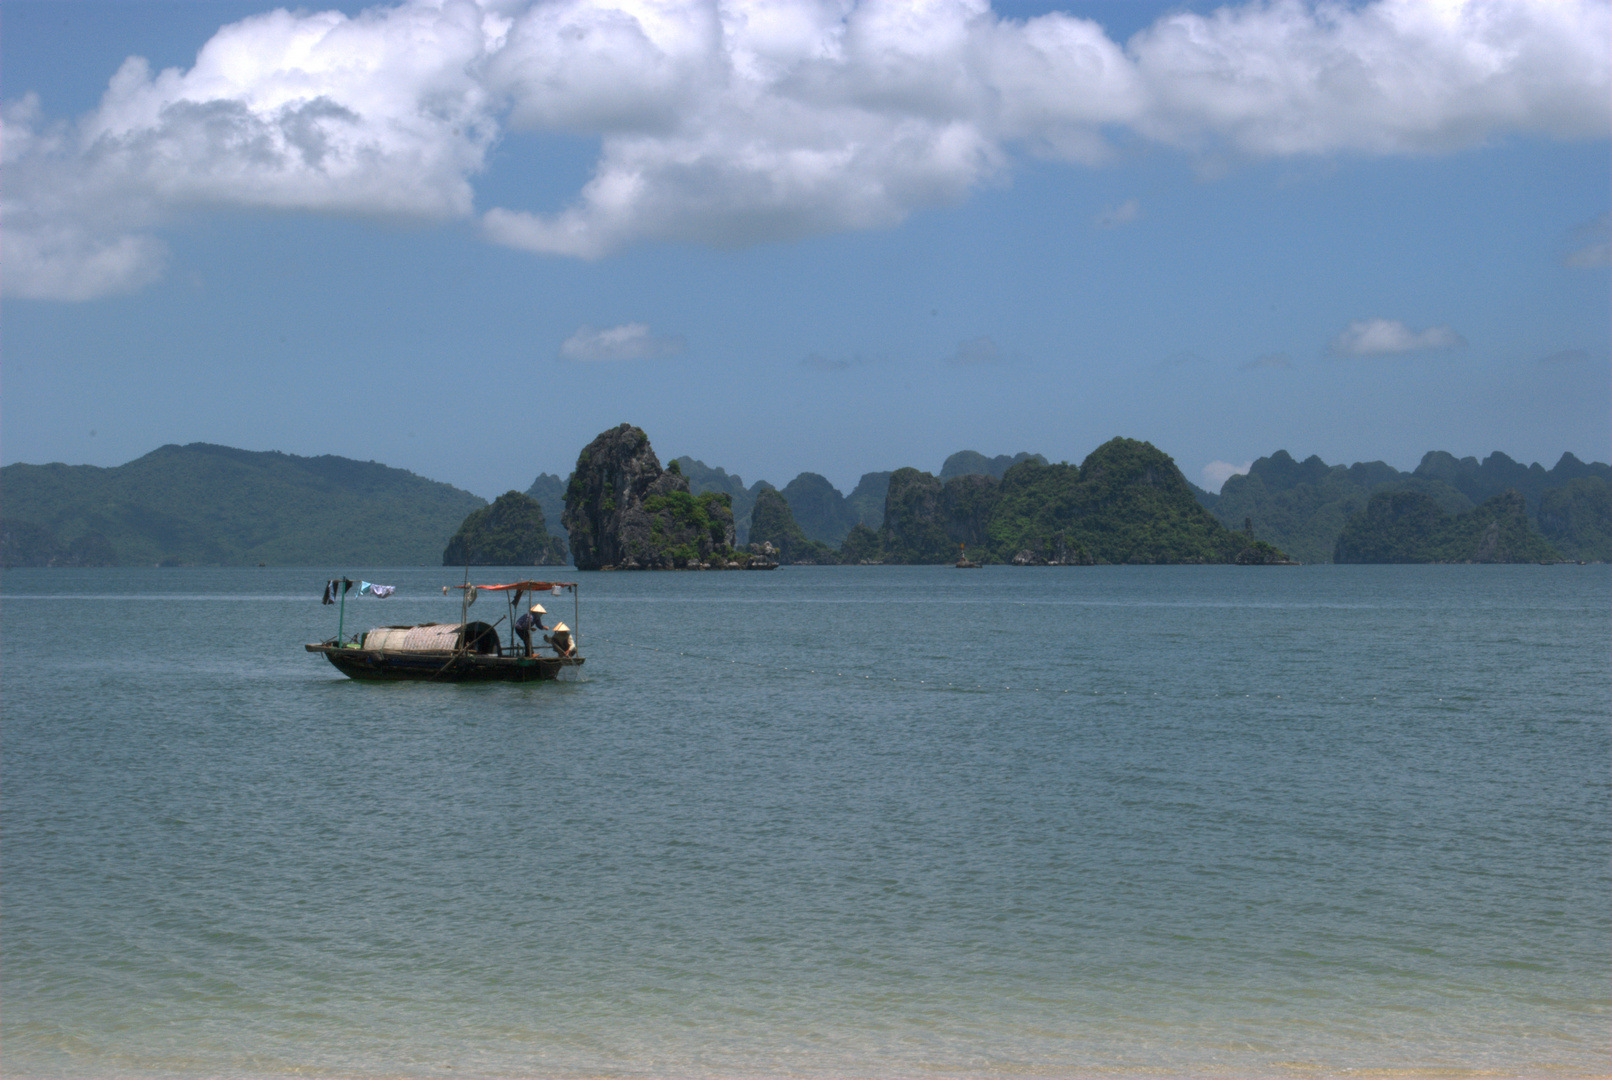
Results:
[1123, 214]
[380, 114]
[1378, 337]
[629, 341]
[1397, 76]
[731, 123]
[1216, 473]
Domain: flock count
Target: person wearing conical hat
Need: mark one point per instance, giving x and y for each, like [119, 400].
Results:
[532, 620]
[561, 640]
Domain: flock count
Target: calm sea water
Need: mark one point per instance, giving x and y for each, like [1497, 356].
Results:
[859, 821]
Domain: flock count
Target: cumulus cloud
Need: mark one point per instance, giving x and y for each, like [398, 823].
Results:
[1379, 337]
[629, 341]
[1397, 76]
[731, 123]
[1115, 216]
[380, 114]
[1216, 473]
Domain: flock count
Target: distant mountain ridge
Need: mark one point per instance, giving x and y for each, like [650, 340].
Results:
[1304, 506]
[203, 504]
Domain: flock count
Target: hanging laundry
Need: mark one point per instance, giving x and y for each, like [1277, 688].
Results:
[330, 589]
[381, 592]
[474, 592]
[557, 590]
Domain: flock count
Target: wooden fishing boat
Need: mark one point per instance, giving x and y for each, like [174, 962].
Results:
[465, 651]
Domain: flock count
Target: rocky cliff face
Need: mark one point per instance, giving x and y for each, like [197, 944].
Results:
[926, 520]
[623, 510]
[913, 531]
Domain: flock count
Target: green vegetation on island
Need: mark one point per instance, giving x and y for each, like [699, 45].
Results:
[974, 463]
[1409, 527]
[206, 505]
[703, 479]
[1577, 518]
[821, 512]
[623, 511]
[1302, 507]
[511, 531]
[215, 505]
[772, 522]
[1127, 503]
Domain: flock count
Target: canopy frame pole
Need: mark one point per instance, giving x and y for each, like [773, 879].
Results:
[341, 613]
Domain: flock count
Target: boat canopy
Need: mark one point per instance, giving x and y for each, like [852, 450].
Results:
[522, 586]
[476, 637]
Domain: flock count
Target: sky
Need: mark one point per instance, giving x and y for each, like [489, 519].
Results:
[464, 238]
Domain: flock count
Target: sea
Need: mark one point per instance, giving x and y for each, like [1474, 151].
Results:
[871, 822]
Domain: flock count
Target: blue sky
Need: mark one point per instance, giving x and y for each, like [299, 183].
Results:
[463, 240]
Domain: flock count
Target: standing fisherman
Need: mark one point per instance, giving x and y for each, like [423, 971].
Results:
[532, 620]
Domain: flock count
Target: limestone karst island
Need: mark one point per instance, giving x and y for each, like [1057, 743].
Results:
[1126, 503]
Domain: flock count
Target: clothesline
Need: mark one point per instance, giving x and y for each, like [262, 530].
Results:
[337, 589]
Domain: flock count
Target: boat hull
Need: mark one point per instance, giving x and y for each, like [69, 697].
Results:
[386, 666]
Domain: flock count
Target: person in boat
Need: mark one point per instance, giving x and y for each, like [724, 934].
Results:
[561, 640]
[532, 620]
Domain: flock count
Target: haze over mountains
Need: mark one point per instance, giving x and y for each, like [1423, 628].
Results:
[212, 505]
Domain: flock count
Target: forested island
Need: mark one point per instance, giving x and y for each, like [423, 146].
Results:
[1127, 502]
[510, 532]
[1306, 507]
[207, 505]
